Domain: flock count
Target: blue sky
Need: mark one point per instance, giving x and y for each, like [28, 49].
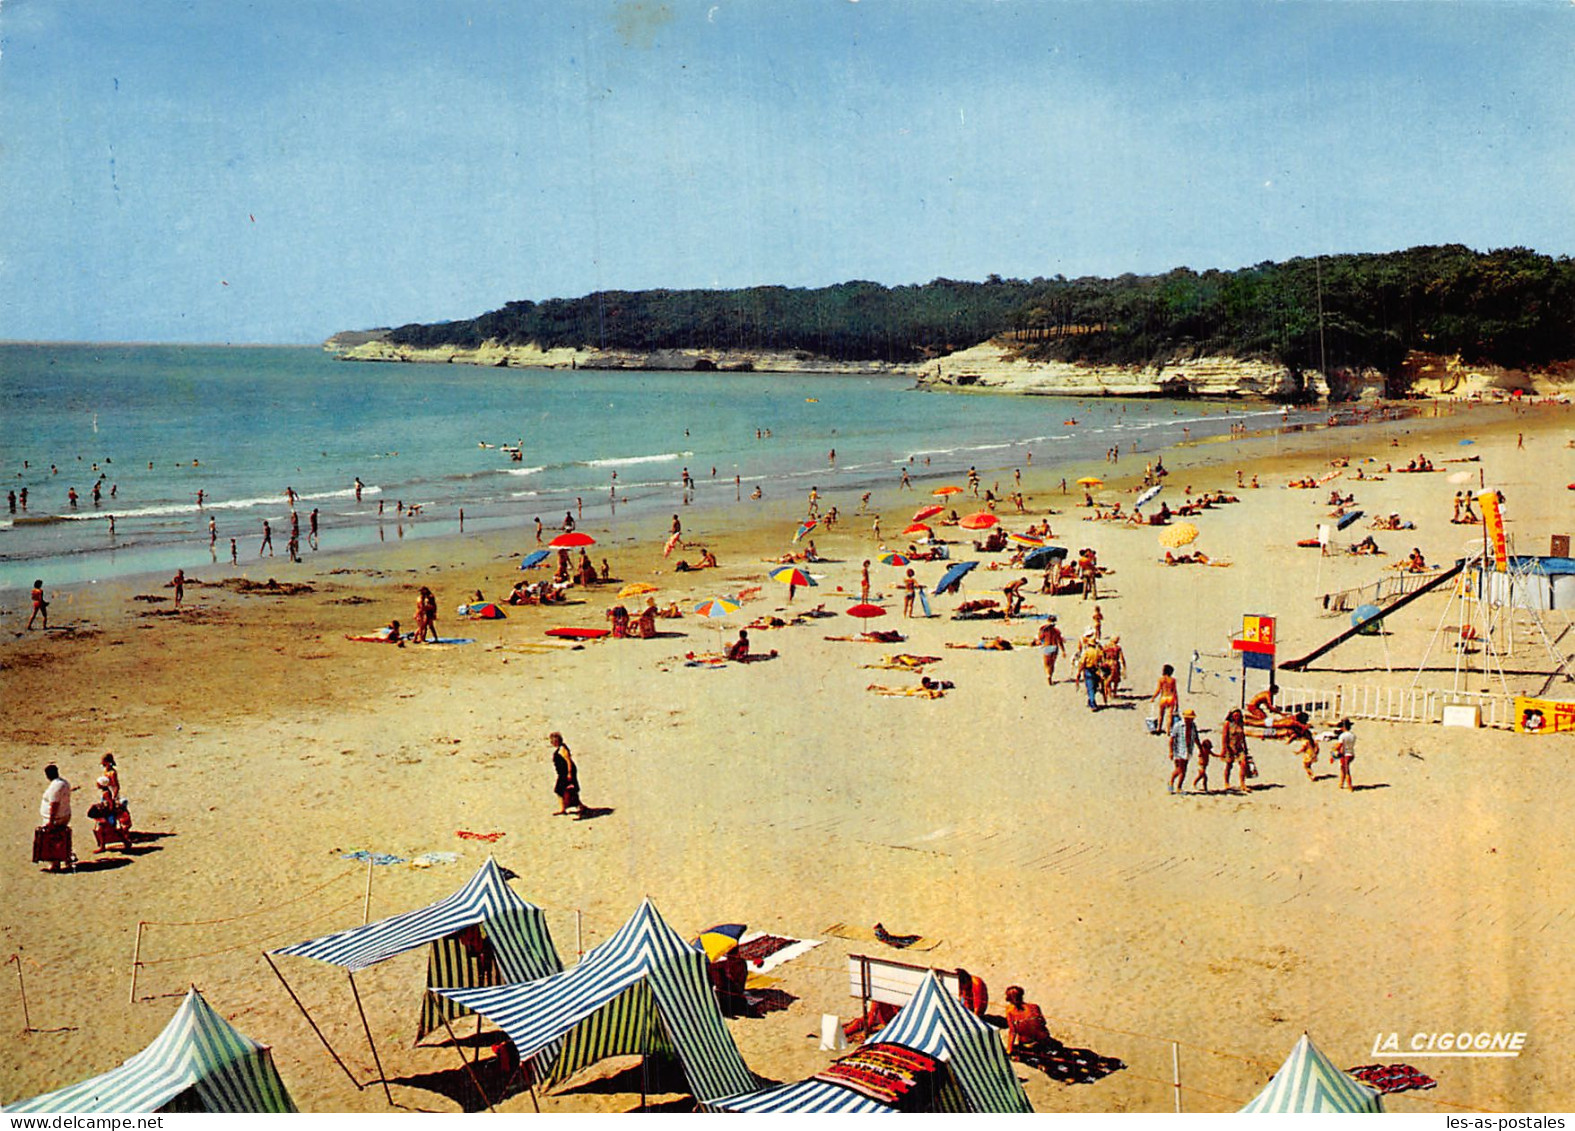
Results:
[273, 172]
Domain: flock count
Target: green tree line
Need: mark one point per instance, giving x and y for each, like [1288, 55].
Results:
[1335, 313]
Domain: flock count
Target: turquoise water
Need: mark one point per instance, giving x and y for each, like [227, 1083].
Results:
[241, 425]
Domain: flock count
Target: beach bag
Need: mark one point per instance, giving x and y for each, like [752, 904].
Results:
[1252, 768]
[1151, 724]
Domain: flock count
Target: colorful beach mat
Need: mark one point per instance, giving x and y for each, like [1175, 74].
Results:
[883, 1072]
[1390, 1078]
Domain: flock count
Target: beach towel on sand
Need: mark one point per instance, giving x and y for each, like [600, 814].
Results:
[1068, 1065]
[855, 933]
[1390, 1078]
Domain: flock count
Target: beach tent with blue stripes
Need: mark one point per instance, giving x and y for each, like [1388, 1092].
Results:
[482, 935]
[200, 1062]
[978, 1076]
[1309, 1081]
[642, 992]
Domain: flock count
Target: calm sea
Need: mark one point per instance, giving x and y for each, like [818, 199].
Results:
[154, 425]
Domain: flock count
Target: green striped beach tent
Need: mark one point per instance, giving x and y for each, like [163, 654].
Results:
[642, 992]
[1308, 1081]
[977, 1077]
[199, 1063]
[482, 935]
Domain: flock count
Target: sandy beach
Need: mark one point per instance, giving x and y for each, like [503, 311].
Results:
[1033, 839]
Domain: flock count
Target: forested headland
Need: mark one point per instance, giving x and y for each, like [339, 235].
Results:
[1513, 308]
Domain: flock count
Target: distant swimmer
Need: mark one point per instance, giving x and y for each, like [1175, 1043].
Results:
[213, 530]
[358, 488]
[72, 496]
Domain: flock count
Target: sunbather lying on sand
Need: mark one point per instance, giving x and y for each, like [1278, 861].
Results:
[388, 634]
[904, 661]
[988, 644]
[911, 692]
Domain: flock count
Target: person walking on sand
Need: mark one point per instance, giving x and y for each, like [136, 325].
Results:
[1233, 749]
[1088, 665]
[905, 485]
[233, 553]
[1183, 741]
[1088, 570]
[1165, 699]
[910, 588]
[1115, 667]
[54, 812]
[1050, 643]
[864, 581]
[1205, 752]
[1343, 752]
[178, 583]
[1300, 738]
[40, 606]
[875, 526]
[267, 541]
[567, 785]
[429, 616]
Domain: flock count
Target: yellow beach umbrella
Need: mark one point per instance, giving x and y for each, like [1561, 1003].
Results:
[1090, 481]
[637, 589]
[1178, 535]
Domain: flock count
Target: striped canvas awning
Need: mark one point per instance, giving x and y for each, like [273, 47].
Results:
[1309, 1081]
[641, 989]
[517, 930]
[807, 1097]
[933, 1022]
[200, 1062]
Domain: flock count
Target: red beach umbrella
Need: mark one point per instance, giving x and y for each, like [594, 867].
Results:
[866, 611]
[981, 521]
[918, 530]
[572, 539]
[948, 490]
[927, 512]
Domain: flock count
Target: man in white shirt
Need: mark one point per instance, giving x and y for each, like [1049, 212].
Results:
[52, 843]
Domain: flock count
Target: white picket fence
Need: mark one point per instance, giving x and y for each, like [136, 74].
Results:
[1394, 703]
